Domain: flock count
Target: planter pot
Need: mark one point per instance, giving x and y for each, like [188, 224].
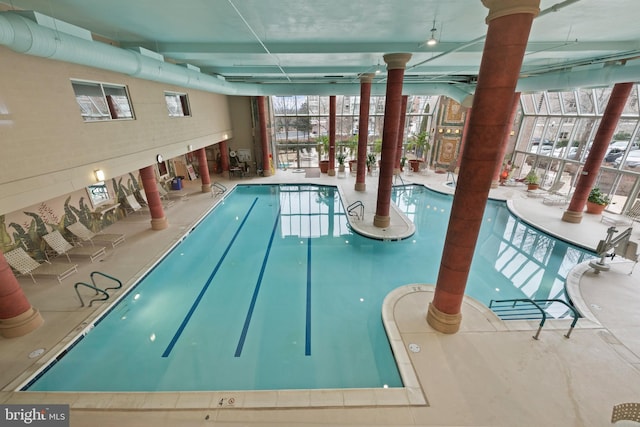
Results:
[340, 168]
[415, 165]
[324, 166]
[353, 165]
[532, 187]
[594, 208]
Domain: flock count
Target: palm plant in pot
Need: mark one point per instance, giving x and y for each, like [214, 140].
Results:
[532, 180]
[341, 157]
[597, 201]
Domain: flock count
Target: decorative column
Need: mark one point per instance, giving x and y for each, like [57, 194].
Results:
[403, 115]
[509, 24]
[17, 316]
[365, 102]
[264, 137]
[587, 179]
[396, 63]
[505, 142]
[205, 179]
[158, 219]
[332, 136]
[224, 156]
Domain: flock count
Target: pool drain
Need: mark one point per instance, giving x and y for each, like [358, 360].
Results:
[415, 348]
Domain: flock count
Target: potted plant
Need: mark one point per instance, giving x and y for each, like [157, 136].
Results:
[532, 180]
[323, 150]
[341, 157]
[597, 201]
[419, 143]
[371, 161]
[403, 161]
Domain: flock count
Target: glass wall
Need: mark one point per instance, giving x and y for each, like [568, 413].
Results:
[301, 126]
[556, 133]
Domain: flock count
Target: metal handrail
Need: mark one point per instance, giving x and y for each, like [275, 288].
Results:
[108, 277]
[221, 189]
[95, 288]
[544, 314]
[353, 206]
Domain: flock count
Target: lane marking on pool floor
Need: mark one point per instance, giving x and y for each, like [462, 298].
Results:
[184, 323]
[247, 320]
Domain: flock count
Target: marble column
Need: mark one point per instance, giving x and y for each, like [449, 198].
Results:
[224, 156]
[332, 136]
[509, 23]
[365, 103]
[158, 219]
[203, 167]
[264, 136]
[604, 134]
[505, 141]
[396, 63]
[17, 316]
[401, 122]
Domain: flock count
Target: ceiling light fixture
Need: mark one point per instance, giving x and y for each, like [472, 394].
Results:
[433, 41]
[378, 70]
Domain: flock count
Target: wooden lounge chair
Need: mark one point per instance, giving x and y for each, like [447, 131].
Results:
[61, 246]
[83, 234]
[21, 262]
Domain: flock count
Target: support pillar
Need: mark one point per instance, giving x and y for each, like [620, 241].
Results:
[505, 142]
[587, 179]
[224, 156]
[158, 219]
[403, 115]
[17, 316]
[203, 167]
[332, 136]
[396, 63]
[264, 136]
[509, 24]
[365, 102]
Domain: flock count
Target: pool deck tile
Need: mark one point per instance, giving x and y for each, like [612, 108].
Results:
[490, 373]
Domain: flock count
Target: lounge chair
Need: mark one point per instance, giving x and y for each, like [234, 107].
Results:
[554, 189]
[166, 202]
[83, 234]
[626, 218]
[166, 195]
[557, 199]
[131, 204]
[21, 262]
[61, 246]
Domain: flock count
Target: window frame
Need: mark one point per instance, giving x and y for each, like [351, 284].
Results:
[182, 104]
[109, 101]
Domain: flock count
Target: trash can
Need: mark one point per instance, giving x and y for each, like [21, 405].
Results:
[176, 184]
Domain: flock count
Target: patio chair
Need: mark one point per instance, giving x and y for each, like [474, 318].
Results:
[557, 199]
[131, 204]
[21, 262]
[166, 201]
[627, 218]
[166, 195]
[554, 189]
[61, 246]
[83, 234]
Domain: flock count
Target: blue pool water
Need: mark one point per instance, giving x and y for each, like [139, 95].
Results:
[272, 290]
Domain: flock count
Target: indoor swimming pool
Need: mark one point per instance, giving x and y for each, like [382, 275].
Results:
[272, 290]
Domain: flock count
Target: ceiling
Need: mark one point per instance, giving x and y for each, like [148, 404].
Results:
[311, 46]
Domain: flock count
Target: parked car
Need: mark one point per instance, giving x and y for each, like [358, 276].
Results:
[632, 160]
[616, 149]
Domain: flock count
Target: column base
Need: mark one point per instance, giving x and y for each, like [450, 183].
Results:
[331, 172]
[159, 223]
[206, 188]
[360, 186]
[443, 322]
[572, 217]
[381, 221]
[22, 324]
[266, 172]
[495, 184]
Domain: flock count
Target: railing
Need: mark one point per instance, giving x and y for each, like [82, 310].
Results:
[398, 176]
[528, 312]
[217, 189]
[351, 210]
[95, 287]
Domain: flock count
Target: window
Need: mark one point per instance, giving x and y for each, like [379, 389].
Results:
[177, 104]
[101, 101]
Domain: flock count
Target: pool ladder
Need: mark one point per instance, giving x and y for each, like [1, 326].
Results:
[95, 287]
[532, 309]
[217, 189]
[356, 209]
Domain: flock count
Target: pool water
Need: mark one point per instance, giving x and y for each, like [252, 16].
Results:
[272, 290]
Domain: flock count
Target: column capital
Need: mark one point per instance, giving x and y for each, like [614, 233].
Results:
[366, 77]
[396, 60]
[500, 8]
